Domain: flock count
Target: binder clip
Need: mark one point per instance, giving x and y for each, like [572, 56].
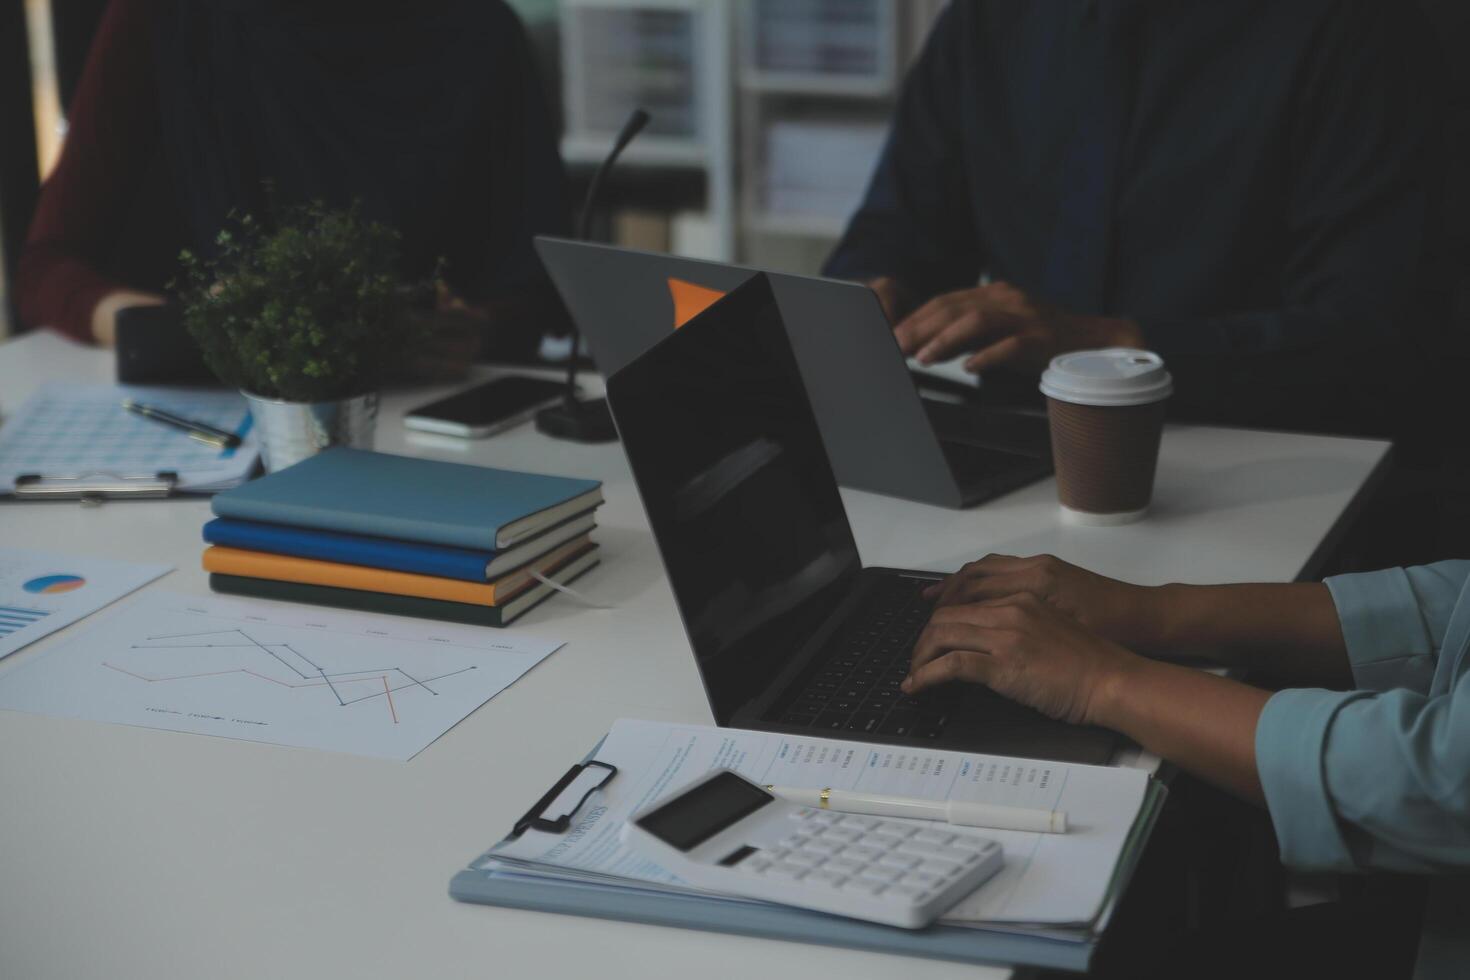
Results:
[94, 488]
[554, 811]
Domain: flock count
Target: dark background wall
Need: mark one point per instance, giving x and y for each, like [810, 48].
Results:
[1447, 480]
[18, 177]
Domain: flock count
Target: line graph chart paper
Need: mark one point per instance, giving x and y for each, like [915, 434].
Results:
[368, 685]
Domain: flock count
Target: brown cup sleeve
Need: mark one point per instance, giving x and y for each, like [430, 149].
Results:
[1105, 455]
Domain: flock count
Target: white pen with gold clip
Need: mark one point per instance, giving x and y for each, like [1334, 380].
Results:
[957, 812]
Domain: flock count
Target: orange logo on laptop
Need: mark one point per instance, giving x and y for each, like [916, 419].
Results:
[690, 300]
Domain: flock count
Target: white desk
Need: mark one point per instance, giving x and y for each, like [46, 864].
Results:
[128, 853]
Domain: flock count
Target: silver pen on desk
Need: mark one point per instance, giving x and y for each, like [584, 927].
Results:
[957, 812]
[201, 431]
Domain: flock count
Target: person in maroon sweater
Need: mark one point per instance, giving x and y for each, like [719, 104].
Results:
[429, 113]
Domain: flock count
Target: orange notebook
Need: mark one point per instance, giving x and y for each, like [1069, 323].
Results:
[287, 568]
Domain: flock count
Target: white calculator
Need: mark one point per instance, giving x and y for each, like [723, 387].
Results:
[726, 834]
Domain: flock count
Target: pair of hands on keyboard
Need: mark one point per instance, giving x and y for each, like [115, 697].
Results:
[1039, 631]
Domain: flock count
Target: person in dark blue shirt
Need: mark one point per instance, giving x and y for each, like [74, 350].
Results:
[1248, 188]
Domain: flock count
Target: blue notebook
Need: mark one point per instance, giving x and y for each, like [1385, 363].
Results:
[427, 501]
[403, 556]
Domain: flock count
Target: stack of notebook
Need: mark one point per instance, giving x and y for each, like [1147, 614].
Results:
[414, 537]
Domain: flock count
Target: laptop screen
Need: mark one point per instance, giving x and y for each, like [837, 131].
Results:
[741, 498]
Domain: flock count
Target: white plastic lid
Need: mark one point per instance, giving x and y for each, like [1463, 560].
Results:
[1115, 376]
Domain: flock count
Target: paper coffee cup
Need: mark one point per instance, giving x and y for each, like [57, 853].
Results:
[1106, 409]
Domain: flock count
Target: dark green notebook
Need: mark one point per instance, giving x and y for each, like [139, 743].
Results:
[402, 605]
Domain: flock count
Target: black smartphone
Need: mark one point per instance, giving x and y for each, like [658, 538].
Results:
[486, 409]
[154, 348]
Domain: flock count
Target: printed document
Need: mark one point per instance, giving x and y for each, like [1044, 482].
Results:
[291, 675]
[81, 430]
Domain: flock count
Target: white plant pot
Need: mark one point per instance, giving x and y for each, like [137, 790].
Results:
[289, 432]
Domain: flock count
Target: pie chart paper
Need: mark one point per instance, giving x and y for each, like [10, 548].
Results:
[40, 591]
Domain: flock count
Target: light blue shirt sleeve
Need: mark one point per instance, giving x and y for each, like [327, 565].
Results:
[1378, 778]
[1394, 622]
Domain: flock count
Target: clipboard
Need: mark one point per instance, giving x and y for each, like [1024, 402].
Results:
[76, 442]
[510, 886]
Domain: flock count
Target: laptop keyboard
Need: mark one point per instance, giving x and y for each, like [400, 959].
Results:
[1013, 432]
[856, 689]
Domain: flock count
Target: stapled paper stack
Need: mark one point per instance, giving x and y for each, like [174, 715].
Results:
[1048, 906]
[415, 537]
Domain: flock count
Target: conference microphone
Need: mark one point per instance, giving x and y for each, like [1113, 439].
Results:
[572, 418]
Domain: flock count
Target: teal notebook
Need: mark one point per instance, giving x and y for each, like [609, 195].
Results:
[359, 492]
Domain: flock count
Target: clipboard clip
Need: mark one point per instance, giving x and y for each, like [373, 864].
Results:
[95, 487]
[565, 798]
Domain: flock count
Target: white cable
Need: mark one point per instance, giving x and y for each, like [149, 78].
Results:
[581, 597]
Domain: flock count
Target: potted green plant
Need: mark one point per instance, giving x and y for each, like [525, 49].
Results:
[306, 316]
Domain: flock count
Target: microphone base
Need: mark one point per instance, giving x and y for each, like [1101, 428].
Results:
[578, 421]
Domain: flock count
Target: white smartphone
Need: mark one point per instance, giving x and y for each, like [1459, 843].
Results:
[486, 409]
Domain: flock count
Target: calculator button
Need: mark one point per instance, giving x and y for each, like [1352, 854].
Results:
[904, 891]
[934, 837]
[956, 855]
[897, 831]
[844, 834]
[823, 846]
[861, 823]
[846, 865]
[776, 853]
[824, 818]
[876, 872]
[921, 879]
[900, 861]
[922, 849]
[942, 868]
[805, 859]
[785, 871]
[831, 879]
[863, 853]
[794, 841]
[863, 886]
[755, 864]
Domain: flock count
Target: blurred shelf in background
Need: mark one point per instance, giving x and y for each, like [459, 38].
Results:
[778, 107]
[672, 58]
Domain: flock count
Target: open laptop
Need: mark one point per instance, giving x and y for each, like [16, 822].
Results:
[880, 434]
[790, 632]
